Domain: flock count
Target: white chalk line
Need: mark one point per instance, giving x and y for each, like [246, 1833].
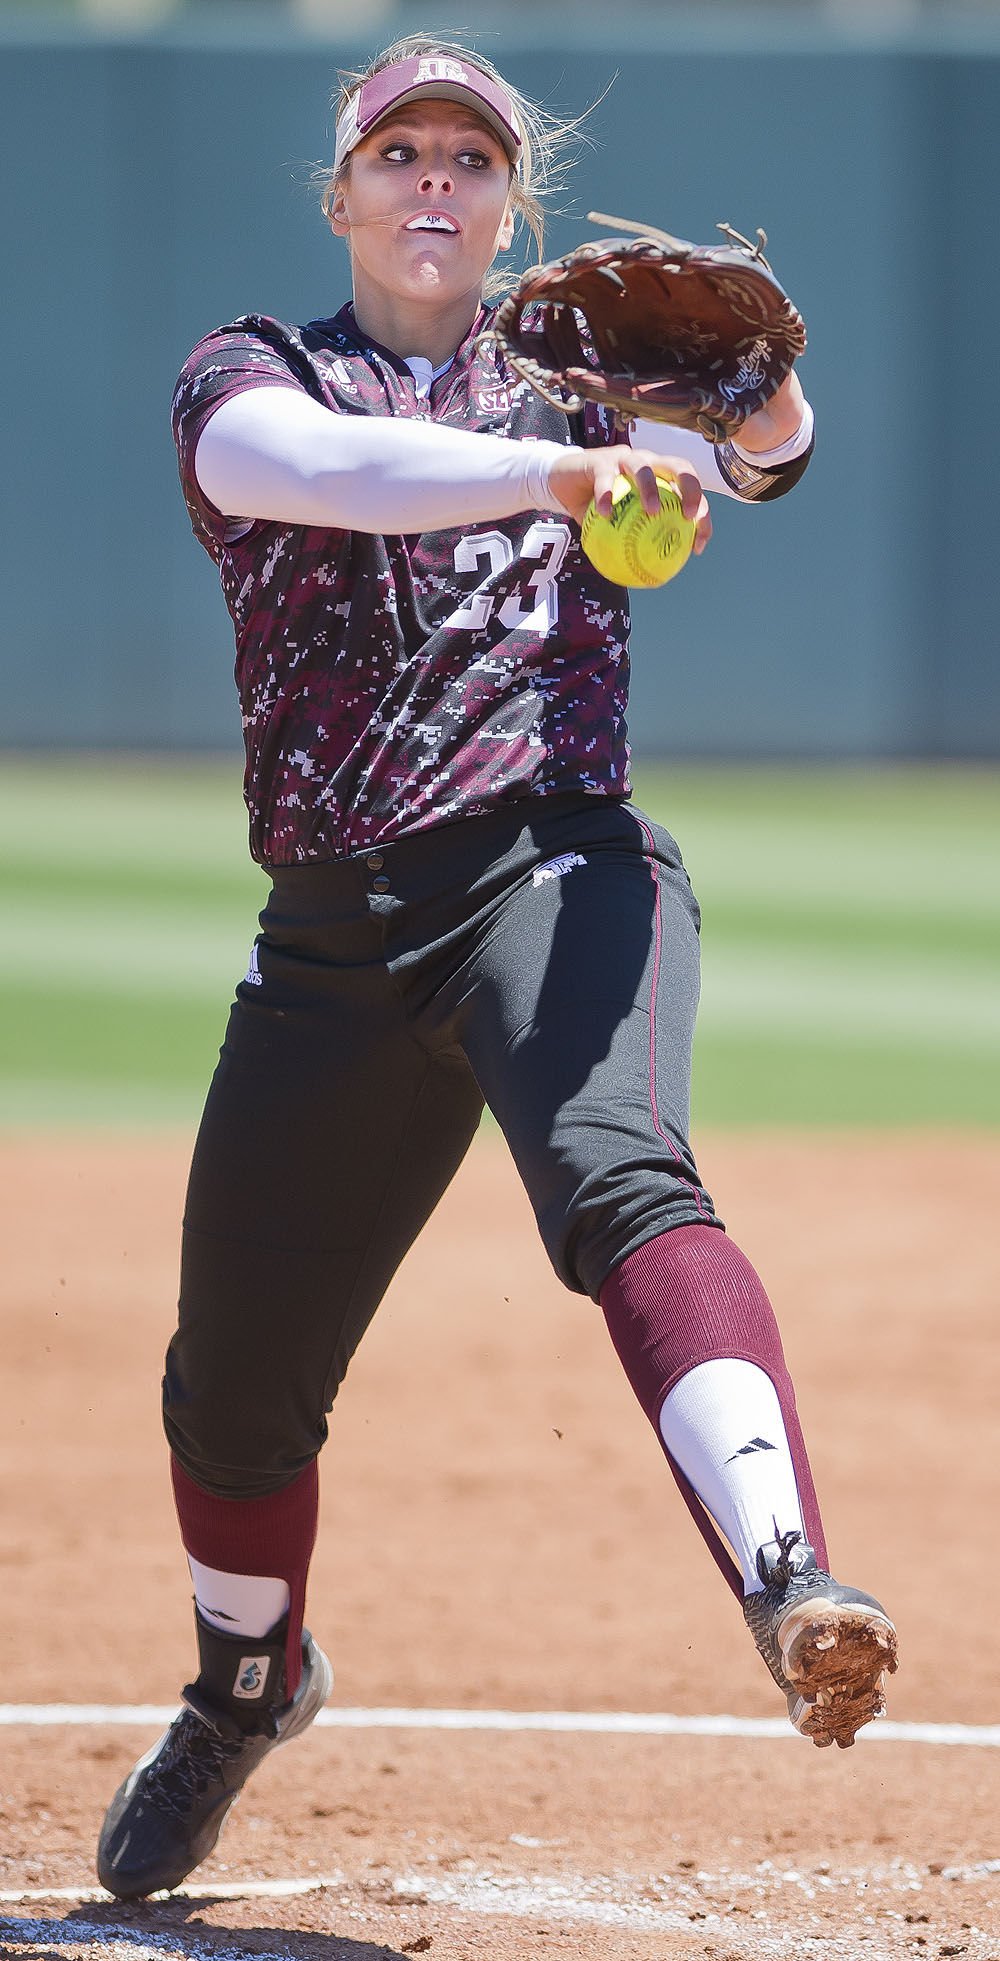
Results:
[58, 1715]
[572, 1899]
[227, 1889]
[657, 1903]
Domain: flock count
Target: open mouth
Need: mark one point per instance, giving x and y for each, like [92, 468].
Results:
[432, 221]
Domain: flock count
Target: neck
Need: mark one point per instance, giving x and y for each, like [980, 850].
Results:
[408, 327]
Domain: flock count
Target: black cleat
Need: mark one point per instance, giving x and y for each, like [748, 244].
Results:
[166, 1817]
[827, 1646]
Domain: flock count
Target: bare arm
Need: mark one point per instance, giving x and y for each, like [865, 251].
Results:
[777, 424]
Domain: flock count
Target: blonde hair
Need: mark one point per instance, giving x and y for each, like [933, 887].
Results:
[548, 141]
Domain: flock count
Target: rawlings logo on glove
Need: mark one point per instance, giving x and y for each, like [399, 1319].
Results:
[652, 326]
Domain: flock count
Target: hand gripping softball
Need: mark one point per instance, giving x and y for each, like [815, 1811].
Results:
[697, 335]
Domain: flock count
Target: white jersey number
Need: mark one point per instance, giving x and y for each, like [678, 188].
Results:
[534, 607]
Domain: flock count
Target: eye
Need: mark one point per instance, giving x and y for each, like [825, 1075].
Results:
[398, 153]
[475, 159]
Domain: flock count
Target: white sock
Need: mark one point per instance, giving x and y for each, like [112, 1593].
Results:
[238, 1603]
[722, 1425]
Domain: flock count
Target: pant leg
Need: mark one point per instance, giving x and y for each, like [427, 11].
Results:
[579, 1025]
[580, 1030]
[328, 1136]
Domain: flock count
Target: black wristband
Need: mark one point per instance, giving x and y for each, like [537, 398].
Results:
[760, 486]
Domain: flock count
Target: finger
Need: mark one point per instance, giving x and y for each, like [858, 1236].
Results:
[703, 531]
[647, 484]
[607, 470]
[674, 470]
[692, 496]
[639, 470]
[603, 499]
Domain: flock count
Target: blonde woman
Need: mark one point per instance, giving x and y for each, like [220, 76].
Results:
[465, 907]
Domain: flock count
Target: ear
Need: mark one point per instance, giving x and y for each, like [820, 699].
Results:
[340, 223]
[505, 236]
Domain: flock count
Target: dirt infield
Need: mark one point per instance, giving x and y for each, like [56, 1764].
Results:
[499, 1533]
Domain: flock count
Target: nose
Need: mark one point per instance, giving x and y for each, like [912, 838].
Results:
[437, 176]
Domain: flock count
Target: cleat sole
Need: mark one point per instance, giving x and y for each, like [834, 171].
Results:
[836, 1654]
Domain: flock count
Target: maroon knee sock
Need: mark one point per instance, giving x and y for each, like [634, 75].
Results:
[691, 1296]
[268, 1538]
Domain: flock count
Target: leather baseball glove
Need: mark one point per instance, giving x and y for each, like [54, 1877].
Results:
[653, 326]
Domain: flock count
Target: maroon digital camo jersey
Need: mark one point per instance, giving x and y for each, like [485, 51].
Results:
[392, 683]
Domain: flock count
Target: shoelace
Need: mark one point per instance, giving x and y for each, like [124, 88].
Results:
[786, 1543]
[191, 1760]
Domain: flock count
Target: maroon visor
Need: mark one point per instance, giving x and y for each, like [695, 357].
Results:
[439, 77]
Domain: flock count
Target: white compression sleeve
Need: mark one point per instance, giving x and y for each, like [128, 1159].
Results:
[273, 452]
[722, 1424]
[699, 454]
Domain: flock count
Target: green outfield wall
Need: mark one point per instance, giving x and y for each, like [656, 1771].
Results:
[155, 187]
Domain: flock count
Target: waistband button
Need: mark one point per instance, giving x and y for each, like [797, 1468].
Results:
[380, 884]
[375, 862]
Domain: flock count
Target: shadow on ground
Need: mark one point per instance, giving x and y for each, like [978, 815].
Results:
[176, 1928]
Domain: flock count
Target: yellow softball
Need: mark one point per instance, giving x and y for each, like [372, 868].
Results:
[630, 547]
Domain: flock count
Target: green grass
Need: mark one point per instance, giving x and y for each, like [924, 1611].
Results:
[851, 941]
[129, 906]
[851, 938]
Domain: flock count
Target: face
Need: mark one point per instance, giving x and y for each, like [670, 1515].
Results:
[425, 205]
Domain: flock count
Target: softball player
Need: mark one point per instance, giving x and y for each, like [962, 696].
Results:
[464, 908]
